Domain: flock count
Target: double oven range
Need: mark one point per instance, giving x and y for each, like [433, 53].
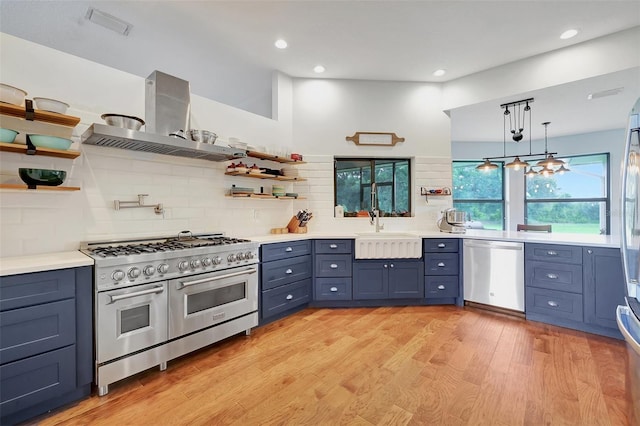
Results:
[159, 298]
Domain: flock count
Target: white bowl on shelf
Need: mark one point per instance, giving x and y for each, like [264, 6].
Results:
[51, 105]
[12, 95]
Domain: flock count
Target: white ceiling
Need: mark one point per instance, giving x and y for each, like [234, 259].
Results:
[225, 48]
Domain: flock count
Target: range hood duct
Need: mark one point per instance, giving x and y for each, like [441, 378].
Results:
[167, 111]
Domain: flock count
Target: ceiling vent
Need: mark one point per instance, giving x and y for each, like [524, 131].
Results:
[605, 93]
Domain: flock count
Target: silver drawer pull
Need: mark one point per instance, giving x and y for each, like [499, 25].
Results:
[333, 266]
[552, 304]
[440, 287]
[289, 296]
[552, 276]
[441, 245]
[288, 271]
[333, 246]
[117, 297]
[288, 249]
[333, 289]
[391, 265]
[440, 265]
[386, 266]
[552, 253]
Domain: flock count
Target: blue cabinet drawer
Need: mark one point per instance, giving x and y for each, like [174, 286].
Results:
[277, 251]
[285, 271]
[554, 276]
[36, 379]
[441, 286]
[441, 264]
[333, 288]
[441, 245]
[553, 253]
[35, 288]
[557, 304]
[36, 329]
[333, 246]
[285, 297]
[328, 265]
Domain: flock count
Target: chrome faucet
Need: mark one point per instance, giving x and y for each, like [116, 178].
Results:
[374, 214]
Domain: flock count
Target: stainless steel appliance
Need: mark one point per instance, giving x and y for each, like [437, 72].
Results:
[628, 317]
[452, 221]
[160, 298]
[494, 273]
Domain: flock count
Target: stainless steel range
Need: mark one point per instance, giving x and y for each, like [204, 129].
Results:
[160, 298]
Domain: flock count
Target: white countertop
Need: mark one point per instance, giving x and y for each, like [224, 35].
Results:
[43, 262]
[71, 259]
[527, 237]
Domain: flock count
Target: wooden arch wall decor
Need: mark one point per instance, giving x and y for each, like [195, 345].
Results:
[375, 138]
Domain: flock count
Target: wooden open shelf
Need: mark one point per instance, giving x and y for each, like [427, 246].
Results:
[49, 152]
[265, 197]
[22, 186]
[263, 156]
[265, 176]
[39, 115]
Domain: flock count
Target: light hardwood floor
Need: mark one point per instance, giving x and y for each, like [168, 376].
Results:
[437, 365]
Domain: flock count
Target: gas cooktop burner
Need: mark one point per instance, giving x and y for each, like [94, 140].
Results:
[130, 248]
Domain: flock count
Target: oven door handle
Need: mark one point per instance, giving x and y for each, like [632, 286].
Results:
[135, 294]
[216, 278]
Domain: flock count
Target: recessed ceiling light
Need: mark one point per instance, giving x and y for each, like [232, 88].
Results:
[281, 44]
[568, 34]
[439, 73]
[318, 68]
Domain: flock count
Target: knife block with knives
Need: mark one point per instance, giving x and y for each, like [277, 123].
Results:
[294, 226]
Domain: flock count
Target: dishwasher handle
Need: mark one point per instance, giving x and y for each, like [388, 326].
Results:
[494, 245]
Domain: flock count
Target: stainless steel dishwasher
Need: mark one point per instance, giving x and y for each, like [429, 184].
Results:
[494, 273]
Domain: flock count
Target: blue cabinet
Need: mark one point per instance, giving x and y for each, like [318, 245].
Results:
[574, 287]
[285, 278]
[332, 271]
[442, 271]
[46, 341]
[388, 279]
[603, 285]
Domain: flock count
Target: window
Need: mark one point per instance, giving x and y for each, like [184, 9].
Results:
[574, 202]
[353, 179]
[479, 193]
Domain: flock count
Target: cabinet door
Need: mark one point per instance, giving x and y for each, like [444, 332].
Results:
[35, 288]
[603, 285]
[441, 245]
[333, 246]
[277, 251]
[441, 263]
[328, 265]
[281, 272]
[370, 280]
[406, 280]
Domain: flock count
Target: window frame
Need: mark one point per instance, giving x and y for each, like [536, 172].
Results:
[372, 164]
[606, 199]
[501, 201]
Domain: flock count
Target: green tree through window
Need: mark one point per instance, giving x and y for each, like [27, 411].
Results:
[353, 178]
[479, 193]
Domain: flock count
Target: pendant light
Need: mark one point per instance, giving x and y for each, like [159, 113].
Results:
[549, 161]
[517, 164]
[531, 172]
[487, 165]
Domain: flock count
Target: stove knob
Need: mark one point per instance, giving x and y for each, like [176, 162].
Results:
[134, 273]
[195, 264]
[249, 255]
[118, 275]
[183, 265]
[149, 270]
[231, 258]
[217, 260]
[240, 256]
[206, 261]
[163, 268]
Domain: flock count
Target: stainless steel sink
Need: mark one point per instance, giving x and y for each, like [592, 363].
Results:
[388, 245]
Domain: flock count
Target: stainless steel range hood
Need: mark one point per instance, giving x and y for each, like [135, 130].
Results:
[167, 105]
[116, 137]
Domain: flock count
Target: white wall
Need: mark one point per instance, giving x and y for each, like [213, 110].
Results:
[609, 141]
[192, 191]
[327, 111]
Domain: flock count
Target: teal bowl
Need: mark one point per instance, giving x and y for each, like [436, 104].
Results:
[46, 141]
[42, 176]
[8, 135]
